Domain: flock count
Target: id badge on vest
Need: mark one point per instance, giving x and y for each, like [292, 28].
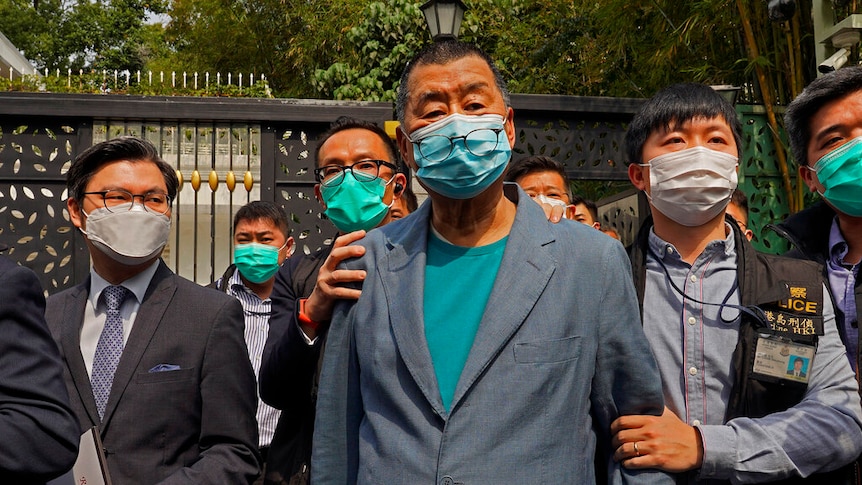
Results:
[786, 352]
[779, 358]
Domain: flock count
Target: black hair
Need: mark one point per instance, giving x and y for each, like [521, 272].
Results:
[127, 148]
[739, 199]
[410, 200]
[534, 164]
[348, 123]
[797, 118]
[442, 53]
[674, 106]
[262, 209]
[591, 206]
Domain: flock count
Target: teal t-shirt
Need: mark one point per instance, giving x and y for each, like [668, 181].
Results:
[458, 283]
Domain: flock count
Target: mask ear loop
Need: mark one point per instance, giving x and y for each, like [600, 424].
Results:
[755, 312]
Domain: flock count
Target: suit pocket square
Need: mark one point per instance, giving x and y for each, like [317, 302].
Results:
[164, 368]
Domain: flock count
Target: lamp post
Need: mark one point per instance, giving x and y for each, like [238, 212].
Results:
[728, 92]
[443, 18]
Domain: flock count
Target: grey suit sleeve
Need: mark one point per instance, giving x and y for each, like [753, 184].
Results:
[228, 437]
[627, 380]
[334, 456]
[39, 431]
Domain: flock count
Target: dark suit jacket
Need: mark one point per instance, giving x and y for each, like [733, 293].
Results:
[38, 431]
[288, 370]
[194, 425]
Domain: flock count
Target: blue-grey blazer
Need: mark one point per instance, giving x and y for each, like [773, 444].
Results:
[559, 354]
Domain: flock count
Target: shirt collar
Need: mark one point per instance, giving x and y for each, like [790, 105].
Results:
[236, 285]
[666, 250]
[137, 284]
[837, 245]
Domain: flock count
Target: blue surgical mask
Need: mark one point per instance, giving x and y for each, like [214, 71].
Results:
[353, 205]
[839, 172]
[256, 262]
[460, 156]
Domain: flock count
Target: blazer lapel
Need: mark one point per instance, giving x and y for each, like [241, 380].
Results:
[70, 340]
[403, 282]
[524, 273]
[159, 294]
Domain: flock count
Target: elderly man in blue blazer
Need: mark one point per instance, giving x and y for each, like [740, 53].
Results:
[488, 344]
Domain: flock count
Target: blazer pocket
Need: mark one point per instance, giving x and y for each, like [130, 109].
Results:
[163, 377]
[548, 351]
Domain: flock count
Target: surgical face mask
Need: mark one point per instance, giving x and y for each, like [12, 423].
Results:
[460, 156]
[692, 186]
[353, 205]
[542, 199]
[127, 235]
[256, 262]
[840, 172]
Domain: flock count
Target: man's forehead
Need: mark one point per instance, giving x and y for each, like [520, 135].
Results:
[675, 124]
[543, 177]
[469, 73]
[832, 115]
[256, 226]
[351, 145]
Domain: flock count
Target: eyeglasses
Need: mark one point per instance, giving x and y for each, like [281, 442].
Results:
[480, 142]
[115, 200]
[364, 171]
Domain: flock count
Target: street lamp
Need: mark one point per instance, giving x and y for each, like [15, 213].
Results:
[728, 92]
[443, 18]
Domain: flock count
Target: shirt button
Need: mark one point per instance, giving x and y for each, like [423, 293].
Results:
[447, 480]
[669, 250]
[692, 320]
[692, 371]
[696, 422]
[693, 278]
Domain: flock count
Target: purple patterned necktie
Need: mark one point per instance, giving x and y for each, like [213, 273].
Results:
[110, 347]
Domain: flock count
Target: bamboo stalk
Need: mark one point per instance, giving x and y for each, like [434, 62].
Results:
[766, 91]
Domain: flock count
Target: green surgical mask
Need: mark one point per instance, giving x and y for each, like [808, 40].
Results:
[839, 172]
[256, 262]
[353, 205]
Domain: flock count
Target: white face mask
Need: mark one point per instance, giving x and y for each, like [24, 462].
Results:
[128, 237]
[692, 186]
[542, 199]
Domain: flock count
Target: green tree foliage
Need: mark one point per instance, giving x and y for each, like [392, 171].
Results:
[375, 52]
[97, 34]
[285, 40]
[355, 49]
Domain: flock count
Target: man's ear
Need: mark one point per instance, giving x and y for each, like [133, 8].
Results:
[289, 247]
[75, 214]
[405, 148]
[637, 177]
[809, 176]
[509, 125]
[398, 180]
[319, 196]
[399, 185]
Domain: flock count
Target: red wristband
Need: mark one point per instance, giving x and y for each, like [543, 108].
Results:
[303, 318]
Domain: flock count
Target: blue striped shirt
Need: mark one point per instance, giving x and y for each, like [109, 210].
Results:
[256, 312]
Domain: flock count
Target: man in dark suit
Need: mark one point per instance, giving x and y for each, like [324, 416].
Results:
[151, 358]
[39, 432]
[289, 371]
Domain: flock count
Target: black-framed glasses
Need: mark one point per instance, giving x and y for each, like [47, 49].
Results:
[479, 142]
[115, 200]
[364, 171]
